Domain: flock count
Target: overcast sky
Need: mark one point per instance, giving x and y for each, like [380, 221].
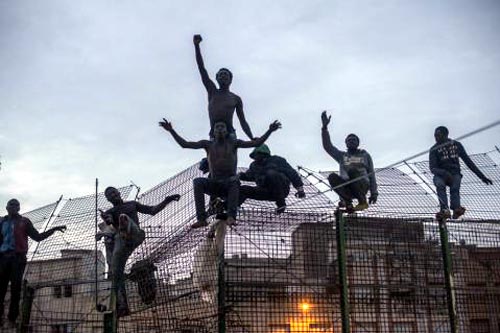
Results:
[84, 83]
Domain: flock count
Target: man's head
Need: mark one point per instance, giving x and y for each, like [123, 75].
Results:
[260, 153]
[113, 195]
[352, 141]
[441, 134]
[224, 77]
[13, 207]
[220, 130]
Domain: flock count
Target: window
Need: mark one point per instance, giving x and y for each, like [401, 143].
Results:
[57, 291]
[403, 327]
[480, 326]
[68, 290]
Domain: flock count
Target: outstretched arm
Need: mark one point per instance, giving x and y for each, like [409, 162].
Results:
[463, 155]
[153, 210]
[325, 138]
[259, 141]
[209, 84]
[38, 237]
[167, 126]
[243, 121]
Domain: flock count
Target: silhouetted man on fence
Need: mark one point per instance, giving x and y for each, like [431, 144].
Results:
[222, 161]
[444, 163]
[357, 174]
[14, 232]
[221, 102]
[272, 175]
[124, 219]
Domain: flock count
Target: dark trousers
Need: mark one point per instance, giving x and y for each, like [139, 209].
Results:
[357, 189]
[275, 187]
[123, 248]
[11, 270]
[226, 188]
[454, 191]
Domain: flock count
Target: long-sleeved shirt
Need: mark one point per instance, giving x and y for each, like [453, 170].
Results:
[359, 160]
[444, 159]
[14, 233]
[257, 171]
[130, 208]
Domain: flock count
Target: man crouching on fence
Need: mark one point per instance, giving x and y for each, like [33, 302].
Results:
[124, 219]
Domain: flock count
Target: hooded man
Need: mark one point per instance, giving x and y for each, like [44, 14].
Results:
[273, 176]
[14, 232]
[356, 172]
[444, 163]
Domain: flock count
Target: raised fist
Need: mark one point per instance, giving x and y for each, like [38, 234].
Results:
[197, 39]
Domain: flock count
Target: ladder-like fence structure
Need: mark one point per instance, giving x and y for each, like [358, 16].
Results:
[391, 268]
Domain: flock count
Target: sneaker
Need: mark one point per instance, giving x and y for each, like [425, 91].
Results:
[443, 214]
[458, 212]
[281, 206]
[123, 224]
[347, 205]
[216, 206]
[361, 206]
[199, 224]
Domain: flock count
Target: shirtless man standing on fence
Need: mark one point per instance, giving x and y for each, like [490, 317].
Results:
[221, 101]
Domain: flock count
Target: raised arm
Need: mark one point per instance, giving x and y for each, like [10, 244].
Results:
[259, 141]
[209, 84]
[243, 121]
[167, 126]
[325, 138]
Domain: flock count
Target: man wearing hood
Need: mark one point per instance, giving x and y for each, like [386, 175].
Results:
[273, 176]
[444, 163]
[356, 173]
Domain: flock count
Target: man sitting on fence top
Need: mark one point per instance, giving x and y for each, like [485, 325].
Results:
[357, 174]
[444, 163]
[222, 161]
[124, 218]
[14, 232]
[273, 176]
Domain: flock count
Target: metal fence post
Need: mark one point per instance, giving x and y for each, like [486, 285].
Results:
[220, 228]
[110, 319]
[448, 275]
[342, 262]
[28, 297]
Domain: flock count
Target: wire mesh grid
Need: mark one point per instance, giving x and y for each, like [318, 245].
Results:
[280, 271]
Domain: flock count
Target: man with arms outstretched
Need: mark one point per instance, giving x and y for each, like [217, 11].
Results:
[14, 232]
[445, 165]
[356, 173]
[124, 218]
[221, 102]
[222, 162]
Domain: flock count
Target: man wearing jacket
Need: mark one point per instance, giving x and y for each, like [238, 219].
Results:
[14, 232]
[356, 174]
[444, 163]
[272, 175]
